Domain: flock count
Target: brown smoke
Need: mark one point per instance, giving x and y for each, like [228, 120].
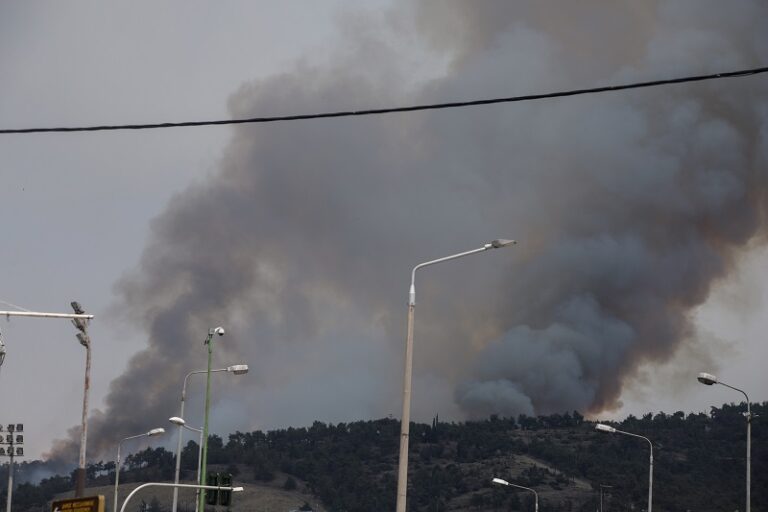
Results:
[628, 206]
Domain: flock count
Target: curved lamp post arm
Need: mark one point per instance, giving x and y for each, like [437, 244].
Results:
[495, 244]
[535, 494]
[184, 387]
[749, 410]
[177, 486]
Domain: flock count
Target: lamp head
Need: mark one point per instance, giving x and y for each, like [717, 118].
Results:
[499, 481]
[177, 421]
[501, 242]
[605, 428]
[238, 369]
[237, 489]
[707, 378]
[156, 431]
[217, 330]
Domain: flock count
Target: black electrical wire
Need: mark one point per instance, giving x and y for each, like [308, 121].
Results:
[378, 111]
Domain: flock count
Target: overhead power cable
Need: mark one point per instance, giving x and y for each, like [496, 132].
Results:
[391, 110]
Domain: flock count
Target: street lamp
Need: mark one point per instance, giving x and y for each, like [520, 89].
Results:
[709, 379]
[236, 369]
[535, 494]
[402, 469]
[611, 430]
[183, 424]
[153, 432]
[204, 461]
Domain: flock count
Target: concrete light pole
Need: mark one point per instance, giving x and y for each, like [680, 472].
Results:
[709, 379]
[402, 468]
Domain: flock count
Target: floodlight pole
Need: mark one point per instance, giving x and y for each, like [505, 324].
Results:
[79, 319]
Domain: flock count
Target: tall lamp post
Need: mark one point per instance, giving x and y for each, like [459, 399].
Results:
[237, 369]
[709, 379]
[204, 463]
[535, 494]
[402, 468]
[153, 432]
[611, 430]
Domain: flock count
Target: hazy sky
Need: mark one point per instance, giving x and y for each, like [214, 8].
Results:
[78, 209]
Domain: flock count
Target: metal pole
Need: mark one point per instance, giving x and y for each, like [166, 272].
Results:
[749, 441]
[650, 481]
[9, 498]
[117, 474]
[80, 485]
[749, 453]
[203, 464]
[650, 471]
[402, 466]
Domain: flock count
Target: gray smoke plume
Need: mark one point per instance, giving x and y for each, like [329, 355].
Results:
[629, 207]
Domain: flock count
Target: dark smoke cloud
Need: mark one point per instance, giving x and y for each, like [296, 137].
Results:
[629, 207]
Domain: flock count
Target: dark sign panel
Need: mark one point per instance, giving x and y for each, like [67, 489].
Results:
[91, 504]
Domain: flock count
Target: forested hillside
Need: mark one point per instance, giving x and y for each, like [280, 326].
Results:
[699, 463]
